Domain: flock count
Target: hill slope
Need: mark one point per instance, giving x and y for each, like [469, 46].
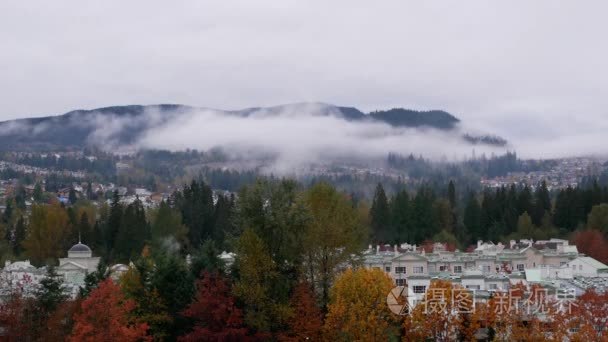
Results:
[125, 124]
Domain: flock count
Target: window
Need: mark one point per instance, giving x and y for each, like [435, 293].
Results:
[457, 269]
[473, 287]
[520, 267]
[574, 267]
[387, 269]
[400, 282]
[400, 269]
[443, 268]
[492, 286]
[418, 269]
[562, 263]
[486, 268]
[580, 267]
[419, 289]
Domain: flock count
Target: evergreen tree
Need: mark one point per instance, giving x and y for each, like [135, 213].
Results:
[93, 279]
[452, 194]
[195, 203]
[380, 217]
[542, 203]
[472, 217]
[175, 285]
[167, 226]
[89, 191]
[72, 196]
[207, 259]
[401, 220]
[114, 222]
[133, 233]
[37, 192]
[19, 237]
[51, 291]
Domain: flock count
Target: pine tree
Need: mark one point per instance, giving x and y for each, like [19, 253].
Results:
[114, 222]
[51, 292]
[72, 196]
[452, 194]
[37, 192]
[380, 217]
[133, 233]
[542, 203]
[19, 237]
[401, 220]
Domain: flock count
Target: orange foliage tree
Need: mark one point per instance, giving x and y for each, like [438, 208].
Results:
[105, 316]
[446, 313]
[590, 317]
[358, 310]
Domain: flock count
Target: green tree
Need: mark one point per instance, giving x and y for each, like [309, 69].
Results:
[380, 217]
[598, 218]
[37, 192]
[167, 223]
[48, 232]
[51, 292]
[257, 277]
[133, 233]
[175, 285]
[72, 196]
[206, 259]
[401, 219]
[19, 236]
[114, 222]
[335, 232]
[472, 217]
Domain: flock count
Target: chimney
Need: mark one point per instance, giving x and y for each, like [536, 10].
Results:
[479, 242]
[377, 249]
[7, 263]
[512, 244]
[396, 250]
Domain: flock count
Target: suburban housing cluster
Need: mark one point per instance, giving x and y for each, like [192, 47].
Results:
[553, 264]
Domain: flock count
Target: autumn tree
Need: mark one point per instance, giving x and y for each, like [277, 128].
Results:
[593, 243]
[47, 233]
[590, 316]
[306, 319]
[105, 316]
[443, 314]
[214, 312]
[358, 309]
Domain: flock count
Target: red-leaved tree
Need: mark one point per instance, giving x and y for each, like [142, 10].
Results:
[592, 243]
[306, 322]
[104, 316]
[215, 314]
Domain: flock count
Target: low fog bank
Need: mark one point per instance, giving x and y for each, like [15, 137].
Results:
[298, 138]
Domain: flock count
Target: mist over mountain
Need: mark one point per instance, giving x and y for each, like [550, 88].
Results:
[124, 125]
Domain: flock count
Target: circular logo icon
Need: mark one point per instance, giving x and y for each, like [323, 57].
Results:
[400, 300]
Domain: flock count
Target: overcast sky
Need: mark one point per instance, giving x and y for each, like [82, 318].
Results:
[510, 67]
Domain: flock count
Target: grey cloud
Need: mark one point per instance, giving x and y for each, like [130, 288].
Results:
[501, 67]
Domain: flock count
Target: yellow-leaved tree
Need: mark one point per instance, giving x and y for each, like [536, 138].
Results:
[47, 233]
[358, 310]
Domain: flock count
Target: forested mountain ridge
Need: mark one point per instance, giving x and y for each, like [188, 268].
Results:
[125, 124]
